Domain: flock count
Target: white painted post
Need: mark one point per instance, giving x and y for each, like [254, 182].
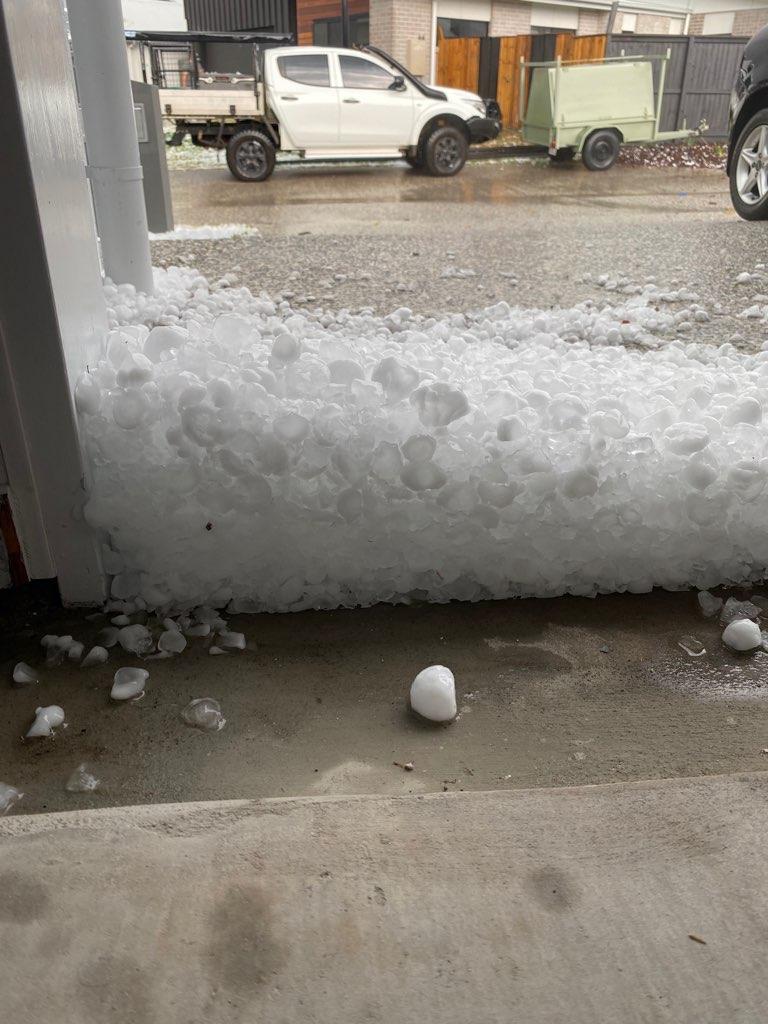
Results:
[114, 165]
[53, 318]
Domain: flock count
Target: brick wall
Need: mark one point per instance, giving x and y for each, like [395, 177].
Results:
[696, 24]
[592, 23]
[746, 23]
[510, 19]
[652, 24]
[394, 22]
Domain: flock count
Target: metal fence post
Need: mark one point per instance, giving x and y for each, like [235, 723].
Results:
[686, 81]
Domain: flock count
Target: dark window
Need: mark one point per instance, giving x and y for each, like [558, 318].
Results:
[358, 73]
[327, 31]
[459, 28]
[307, 68]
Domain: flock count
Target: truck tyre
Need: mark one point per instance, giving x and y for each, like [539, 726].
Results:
[250, 155]
[601, 150]
[749, 169]
[445, 151]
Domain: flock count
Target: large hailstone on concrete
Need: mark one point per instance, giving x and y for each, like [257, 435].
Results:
[433, 694]
[742, 635]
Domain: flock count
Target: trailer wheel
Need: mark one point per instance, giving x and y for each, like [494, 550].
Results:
[749, 170]
[563, 155]
[445, 151]
[250, 155]
[600, 150]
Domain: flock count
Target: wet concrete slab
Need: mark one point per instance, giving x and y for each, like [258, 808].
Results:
[551, 693]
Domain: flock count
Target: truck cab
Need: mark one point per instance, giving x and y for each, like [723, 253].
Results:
[326, 102]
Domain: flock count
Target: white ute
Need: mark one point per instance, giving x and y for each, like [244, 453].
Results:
[321, 102]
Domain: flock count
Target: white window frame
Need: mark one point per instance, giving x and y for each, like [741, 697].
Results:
[718, 23]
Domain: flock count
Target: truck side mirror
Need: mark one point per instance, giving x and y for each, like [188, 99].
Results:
[398, 83]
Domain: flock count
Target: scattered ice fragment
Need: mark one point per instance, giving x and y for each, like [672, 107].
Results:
[75, 651]
[692, 646]
[433, 694]
[204, 713]
[708, 603]
[734, 609]
[46, 721]
[129, 683]
[135, 639]
[82, 781]
[742, 635]
[214, 649]
[199, 629]
[120, 620]
[171, 642]
[9, 797]
[229, 639]
[423, 476]
[23, 675]
[108, 636]
[48, 640]
[96, 656]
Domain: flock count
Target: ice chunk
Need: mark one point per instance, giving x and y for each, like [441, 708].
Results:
[692, 646]
[291, 428]
[686, 438]
[75, 651]
[215, 649]
[734, 609]
[120, 620]
[286, 349]
[230, 639]
[163, 340]
[96, 656]
[742, 635]
[134, 371]
[129, 683]
[87, 394]
[398, 379]
[23, 675]
[204, 713]
[200, 629]
[172, 641]
[419, 448]
[708, 603]
[423, 476]
[439, 404]
[82, 780]
[47, 720]
[9, 797]
[433, 694]
[135, 639]
[130, 408]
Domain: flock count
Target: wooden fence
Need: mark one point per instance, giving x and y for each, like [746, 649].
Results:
[700, 73]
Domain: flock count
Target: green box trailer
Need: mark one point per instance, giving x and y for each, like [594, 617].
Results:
[592, 108]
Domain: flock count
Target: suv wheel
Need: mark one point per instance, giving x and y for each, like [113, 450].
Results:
[445, 151]
[749, 170]
[601, 150]
[250, 155]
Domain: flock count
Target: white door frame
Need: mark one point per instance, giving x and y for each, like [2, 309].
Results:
[52, 311]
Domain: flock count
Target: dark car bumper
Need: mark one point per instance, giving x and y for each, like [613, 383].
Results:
[483, 129]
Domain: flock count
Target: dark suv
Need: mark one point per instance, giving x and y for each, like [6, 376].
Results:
[748, 132]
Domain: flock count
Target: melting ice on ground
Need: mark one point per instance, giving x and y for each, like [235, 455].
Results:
[247, 454]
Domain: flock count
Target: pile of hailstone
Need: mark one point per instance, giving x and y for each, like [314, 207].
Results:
[245, 453]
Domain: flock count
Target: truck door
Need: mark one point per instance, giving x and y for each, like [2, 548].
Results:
[375, 114]
[300, 94]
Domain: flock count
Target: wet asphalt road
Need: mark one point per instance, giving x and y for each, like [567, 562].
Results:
[384, 236]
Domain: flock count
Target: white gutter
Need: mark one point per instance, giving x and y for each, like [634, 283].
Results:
[433, 45]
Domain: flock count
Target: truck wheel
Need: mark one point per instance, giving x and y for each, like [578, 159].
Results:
[749, 170]
[250, 155]
[445, 151]
[601, 150]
